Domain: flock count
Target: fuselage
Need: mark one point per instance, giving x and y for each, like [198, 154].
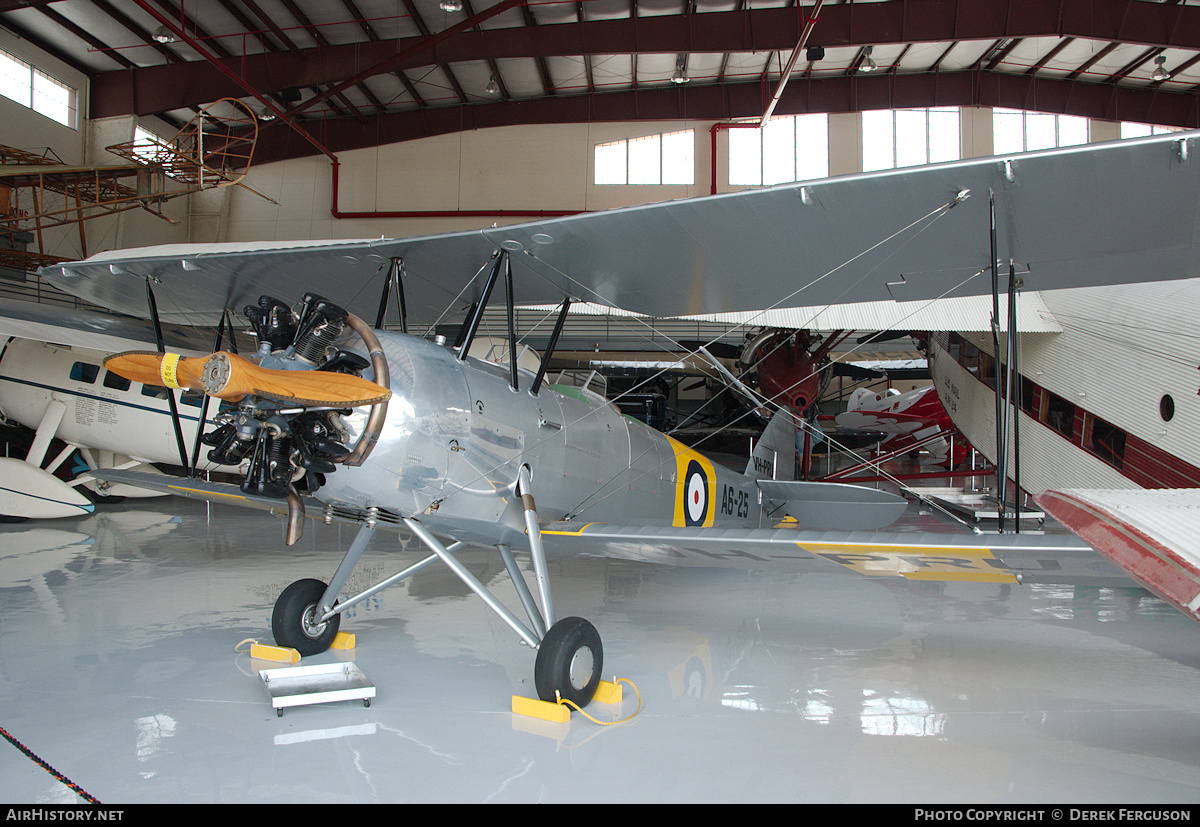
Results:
[103, 411]
[1111, 402]
[905, 419]
[457, 434]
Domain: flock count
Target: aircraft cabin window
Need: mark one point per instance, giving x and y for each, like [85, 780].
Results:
[1108, 443]
[83, 372]
[157, 391]
[1029, 397]
[115, 381]
[1060, 414]
[1166, 408]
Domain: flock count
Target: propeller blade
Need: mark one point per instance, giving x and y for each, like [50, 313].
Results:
[153, 368]
[230, 377]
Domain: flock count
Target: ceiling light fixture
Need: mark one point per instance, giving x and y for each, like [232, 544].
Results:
[163, 35]
[680, 77]
[1160, 71]
[451, 5]
[868, 64]
[492, 87]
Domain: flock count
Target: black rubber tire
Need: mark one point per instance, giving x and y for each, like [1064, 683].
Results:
[556, 655]
[288, 619]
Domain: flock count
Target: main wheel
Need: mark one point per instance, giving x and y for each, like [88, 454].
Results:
[294, 620]
[570, 660]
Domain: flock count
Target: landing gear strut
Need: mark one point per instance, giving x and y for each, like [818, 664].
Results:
[570, 656]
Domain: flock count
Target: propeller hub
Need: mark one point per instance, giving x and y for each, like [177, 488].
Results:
[215, 375]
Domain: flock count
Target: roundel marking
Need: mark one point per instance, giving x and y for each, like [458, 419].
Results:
[695, 494]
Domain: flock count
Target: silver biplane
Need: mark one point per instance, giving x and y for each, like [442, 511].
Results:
[391, 431]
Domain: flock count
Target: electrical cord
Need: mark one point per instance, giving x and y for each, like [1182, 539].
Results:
[58, 775]
[565, 702]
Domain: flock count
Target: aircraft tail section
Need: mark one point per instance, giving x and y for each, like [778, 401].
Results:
[774, 455]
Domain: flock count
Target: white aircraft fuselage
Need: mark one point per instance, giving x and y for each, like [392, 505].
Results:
[1111, 402]
[103, 411]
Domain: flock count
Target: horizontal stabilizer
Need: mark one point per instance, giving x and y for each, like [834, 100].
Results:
[230, 377]
[1151, 534]
[835, 506]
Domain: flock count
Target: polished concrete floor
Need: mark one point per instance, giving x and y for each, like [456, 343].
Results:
[118, 668]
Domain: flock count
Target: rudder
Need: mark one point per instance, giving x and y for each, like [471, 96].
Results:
[774, 455]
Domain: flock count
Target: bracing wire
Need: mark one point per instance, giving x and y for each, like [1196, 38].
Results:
[926, 220]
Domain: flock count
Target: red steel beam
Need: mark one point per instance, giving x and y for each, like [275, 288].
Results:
[162, 88]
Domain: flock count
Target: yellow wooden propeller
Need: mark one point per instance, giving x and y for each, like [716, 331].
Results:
[230, 377]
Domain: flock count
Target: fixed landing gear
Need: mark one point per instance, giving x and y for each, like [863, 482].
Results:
[570, 657]
[569, 662]
[295, 622]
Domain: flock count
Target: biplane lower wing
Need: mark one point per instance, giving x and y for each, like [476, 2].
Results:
[912, 555]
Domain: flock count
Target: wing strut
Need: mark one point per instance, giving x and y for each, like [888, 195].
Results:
[476, 317]
[512, 328]
[553, 343]
[1014, 394]
[158, 340]
[393, 284]
[204, 405]
[1005, 376]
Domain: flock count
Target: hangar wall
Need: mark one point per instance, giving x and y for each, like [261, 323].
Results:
[509, 168]
[83, 145]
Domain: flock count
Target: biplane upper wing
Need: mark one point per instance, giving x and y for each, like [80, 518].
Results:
[91, 329]
[1089, 215]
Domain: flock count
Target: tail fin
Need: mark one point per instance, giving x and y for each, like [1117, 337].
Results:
[774, 455]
